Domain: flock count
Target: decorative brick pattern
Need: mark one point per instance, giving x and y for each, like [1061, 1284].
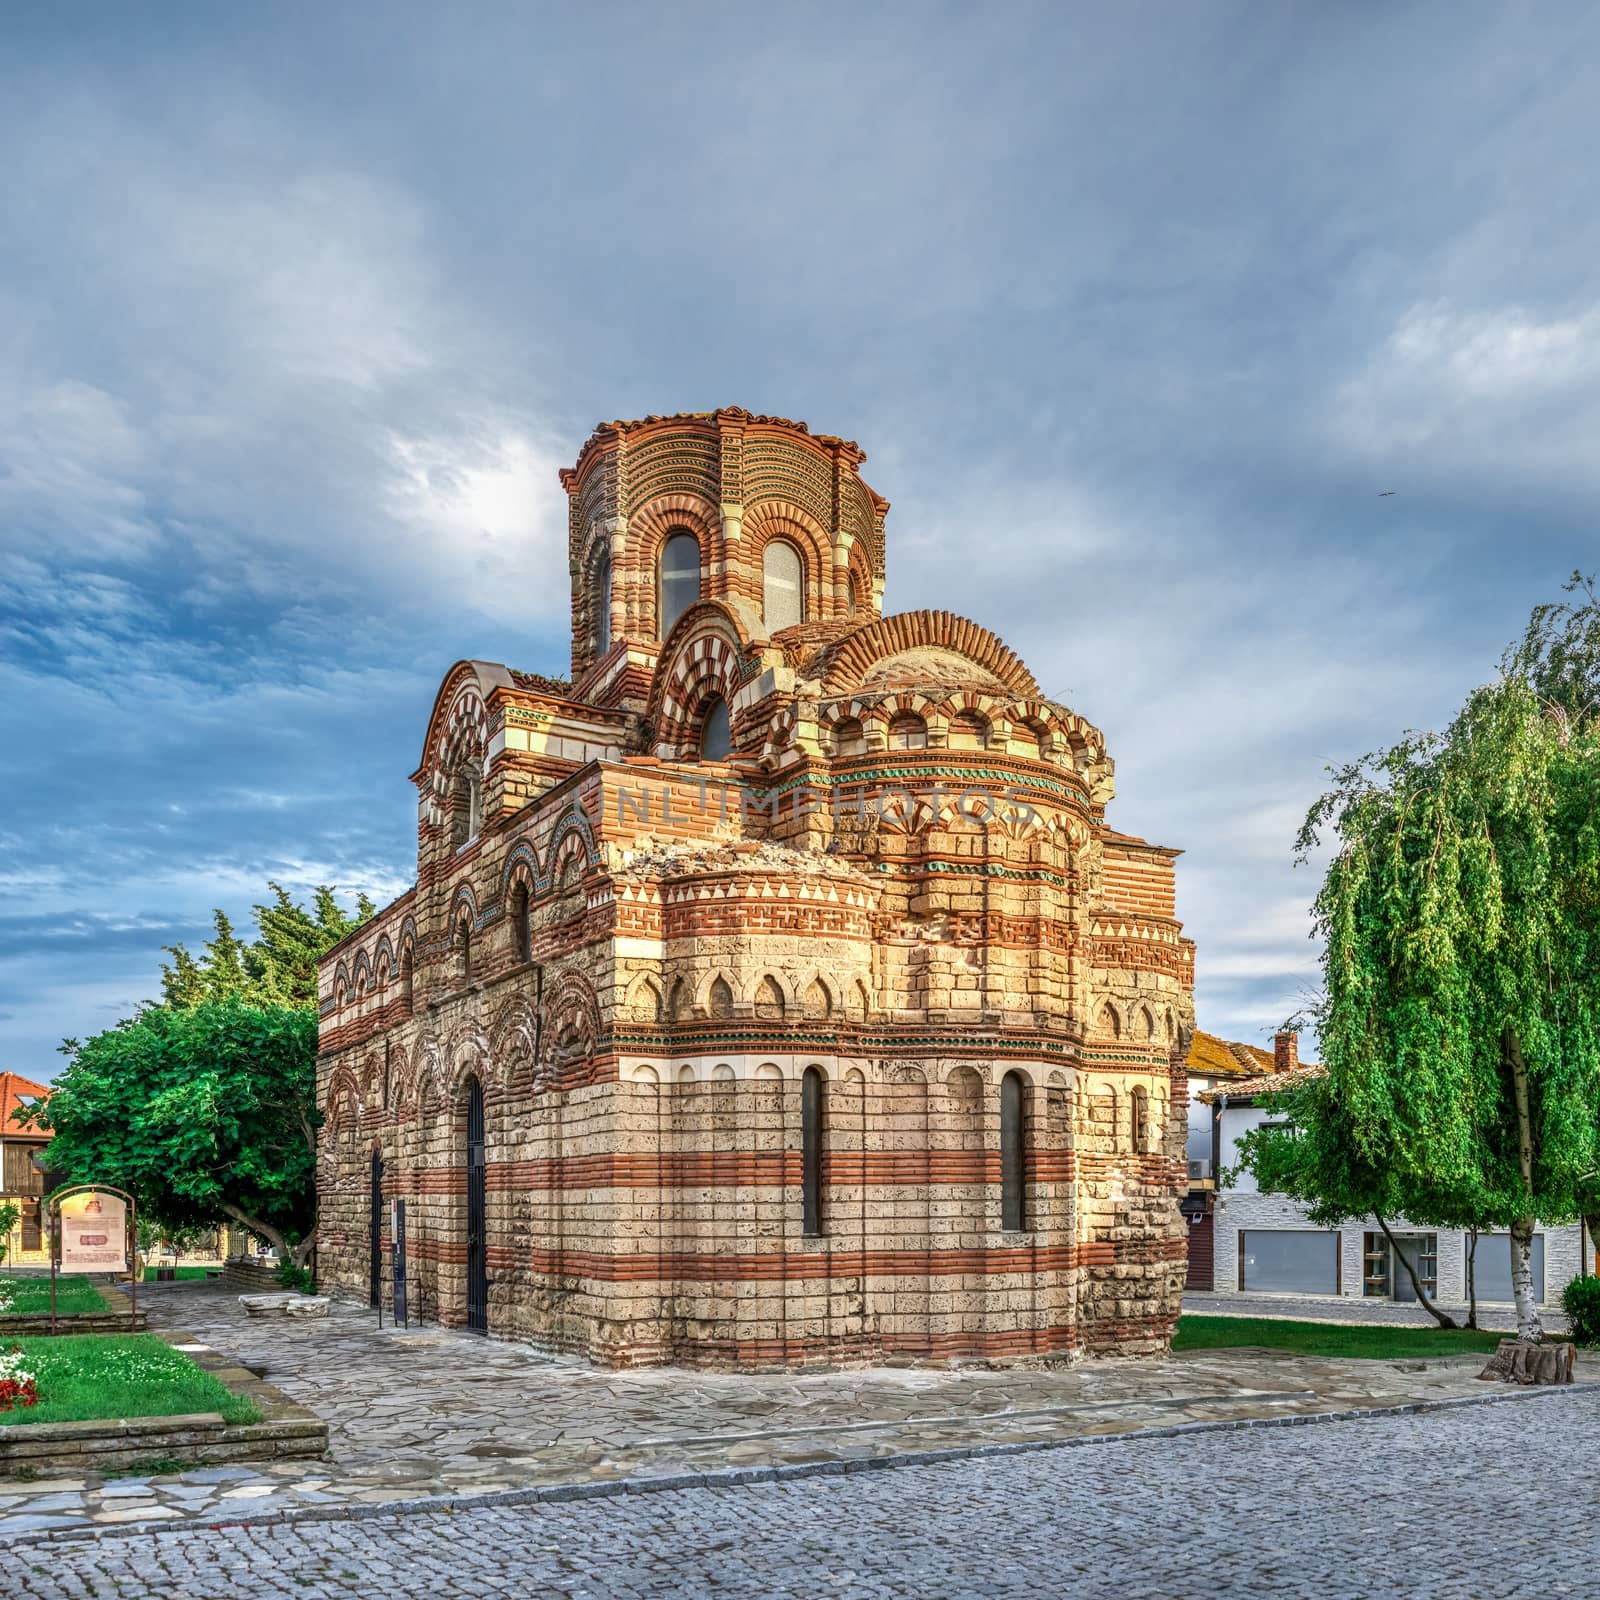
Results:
[903, 880]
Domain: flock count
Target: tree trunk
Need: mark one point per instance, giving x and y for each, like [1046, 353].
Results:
[274, 1237]
[1529, 1328]
[1472, 1277]
[1517, 1361]
[1592, 1224]
[1443, 1318]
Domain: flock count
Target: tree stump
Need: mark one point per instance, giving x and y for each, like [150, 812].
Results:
[1518, 1362]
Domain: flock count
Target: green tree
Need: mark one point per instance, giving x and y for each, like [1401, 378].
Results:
[1310, 1154]
[278, 968]
[1461, 925]
[202, 1112]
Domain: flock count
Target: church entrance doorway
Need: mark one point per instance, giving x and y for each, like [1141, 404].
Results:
[375, 1232]
[477, 1230]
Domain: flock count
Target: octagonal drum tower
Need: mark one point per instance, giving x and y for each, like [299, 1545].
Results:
[773, 990]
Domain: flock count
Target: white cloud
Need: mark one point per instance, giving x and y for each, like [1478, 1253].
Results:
[1496, 398]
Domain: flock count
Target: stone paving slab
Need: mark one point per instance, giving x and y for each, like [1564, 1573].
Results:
[426, 1413]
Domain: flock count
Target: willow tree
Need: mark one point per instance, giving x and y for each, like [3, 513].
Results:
[1461, 925]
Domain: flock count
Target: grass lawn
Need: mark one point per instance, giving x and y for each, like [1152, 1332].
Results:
[149, 1273]
[1365, 1341]
[31, 1296]
[86, 1375]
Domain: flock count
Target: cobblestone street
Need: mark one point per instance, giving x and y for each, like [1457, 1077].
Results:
[1408, 1505]
[431, 1413]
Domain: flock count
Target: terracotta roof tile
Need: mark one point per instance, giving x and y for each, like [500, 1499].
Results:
[14, 1090]
[1269, 1082]
[1218, 1058]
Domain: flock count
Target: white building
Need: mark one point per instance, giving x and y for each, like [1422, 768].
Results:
[1265, 1244]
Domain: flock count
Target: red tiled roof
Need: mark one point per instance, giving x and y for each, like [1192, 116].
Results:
[14, 1090]
[1270, 1082]
[1212, 1057]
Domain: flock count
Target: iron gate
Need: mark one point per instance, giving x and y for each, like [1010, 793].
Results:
[477, 1242]
[375, 1228]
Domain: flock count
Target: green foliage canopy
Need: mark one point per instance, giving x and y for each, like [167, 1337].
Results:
[279, 967]
[201, 1112]
[1460, 1025]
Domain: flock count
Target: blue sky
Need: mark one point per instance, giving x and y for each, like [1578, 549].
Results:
[1136, 310]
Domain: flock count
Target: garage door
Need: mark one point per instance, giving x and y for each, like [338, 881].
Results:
[1288, 1261]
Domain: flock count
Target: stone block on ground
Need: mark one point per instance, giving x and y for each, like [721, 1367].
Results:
[286, 1304]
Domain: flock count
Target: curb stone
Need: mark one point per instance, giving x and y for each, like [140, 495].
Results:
[740, 1477]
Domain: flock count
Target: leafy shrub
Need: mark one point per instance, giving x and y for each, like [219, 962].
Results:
[1581, 1301]
[293, 1277]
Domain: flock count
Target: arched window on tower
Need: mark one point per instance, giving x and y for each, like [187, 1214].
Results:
[407, 982]
[521, 931]
[716, 733]
[466, 806]
[813, 1134]
[464, 948]
[1139, 1101]
[1013, 1153]
[680, 578]
[602, 604]
[782, 578]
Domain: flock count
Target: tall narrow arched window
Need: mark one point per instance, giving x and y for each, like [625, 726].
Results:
[680, 579]
[407, 984]
[602, 605]
[1013, 1153]
[813, 1134]
[782, 575]
[521, 931]
[1139, 1118]
[464, 949]
[716, 733]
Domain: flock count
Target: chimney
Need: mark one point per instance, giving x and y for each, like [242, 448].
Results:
[1285, 1051]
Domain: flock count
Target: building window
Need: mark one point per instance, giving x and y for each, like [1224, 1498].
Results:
[680, 578]
[1288, 1261]
[716, 735]
[521, 931]
[1492, 1266]
[464, 949]
[407, 983]
[1383, 1277]
[1013, 1153]
[602, 605]
[466, 807]
[782, 574]
[812, 1135]
[1139, 1121]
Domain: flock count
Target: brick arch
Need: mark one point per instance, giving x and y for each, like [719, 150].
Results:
[345, 1102]
[574, 824]
[704, 657]
[521, 865]
[846, 663]
[469, 1054]
[463, 899]
[383, 958]
[648, 528]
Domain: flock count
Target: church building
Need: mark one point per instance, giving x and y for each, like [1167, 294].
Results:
[773, 989]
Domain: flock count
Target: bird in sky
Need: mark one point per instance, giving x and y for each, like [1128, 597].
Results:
[1383, 494]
